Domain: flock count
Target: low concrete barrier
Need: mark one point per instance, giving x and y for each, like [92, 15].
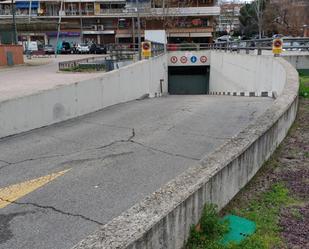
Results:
[163, 219]
[298, 61]
[70, 101]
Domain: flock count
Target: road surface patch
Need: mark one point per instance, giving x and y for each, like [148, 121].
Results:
[12, 193]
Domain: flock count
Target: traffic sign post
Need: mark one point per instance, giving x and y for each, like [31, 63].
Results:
[146, 49]
[277, 47]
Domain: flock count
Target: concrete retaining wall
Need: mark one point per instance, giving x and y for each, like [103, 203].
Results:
[66, 102]
[240, 74]
[298, 61]
[163, 219]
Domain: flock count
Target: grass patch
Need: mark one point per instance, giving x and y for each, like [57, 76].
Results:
[264, 210]
[304, 83]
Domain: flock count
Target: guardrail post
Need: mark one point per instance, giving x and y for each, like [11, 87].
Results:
[259, 51]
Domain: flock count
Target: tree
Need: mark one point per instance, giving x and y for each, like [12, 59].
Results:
[258, 6]
[251, 18]
[290, 16]
[248, 25]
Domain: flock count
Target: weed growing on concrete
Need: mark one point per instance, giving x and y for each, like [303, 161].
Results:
[209, 231]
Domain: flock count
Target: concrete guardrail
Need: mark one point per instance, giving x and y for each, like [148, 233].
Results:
[163, 219]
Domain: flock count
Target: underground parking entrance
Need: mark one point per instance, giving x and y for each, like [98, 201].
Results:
[188, 79]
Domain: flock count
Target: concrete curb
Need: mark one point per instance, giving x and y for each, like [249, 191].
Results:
[163, 219]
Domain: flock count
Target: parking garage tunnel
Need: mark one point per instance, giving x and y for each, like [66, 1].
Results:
[188, 79]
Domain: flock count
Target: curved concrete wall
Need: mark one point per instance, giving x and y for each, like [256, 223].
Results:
[298, 61]
[66, 102]
[240, 73]
[163, 219]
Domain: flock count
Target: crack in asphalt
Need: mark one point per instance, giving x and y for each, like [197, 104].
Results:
[128, 140]
[164, 152]
[3, 161]
[62, 155]
[52, 209]
[5, 165]
[118, 141]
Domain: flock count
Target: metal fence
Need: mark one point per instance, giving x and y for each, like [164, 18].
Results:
[116, 53]
[65, 65]
[289, 44]
[119, 48]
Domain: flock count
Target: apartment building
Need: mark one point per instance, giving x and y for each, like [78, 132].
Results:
[111, 21]
[228, 20]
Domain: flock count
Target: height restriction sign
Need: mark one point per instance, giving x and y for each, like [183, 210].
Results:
[146, 49]
[277, 46]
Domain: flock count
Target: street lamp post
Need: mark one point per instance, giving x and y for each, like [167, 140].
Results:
[14, 28]
[59, 27]
[30, 6]
[139, 35]
[137, 11]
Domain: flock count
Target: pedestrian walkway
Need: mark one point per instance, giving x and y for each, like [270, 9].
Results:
[38, 74]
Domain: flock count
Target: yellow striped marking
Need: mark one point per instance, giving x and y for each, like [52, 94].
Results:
[12, 193]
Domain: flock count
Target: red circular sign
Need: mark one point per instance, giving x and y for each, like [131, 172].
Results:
[146, 46]
[203, 59]
[174, 59]
[277, 43]
[183, 59]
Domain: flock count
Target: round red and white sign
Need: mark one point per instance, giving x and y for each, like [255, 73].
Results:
[146, 45]
[203, 59]
[174, 59]
[183, 59]
[277, 43]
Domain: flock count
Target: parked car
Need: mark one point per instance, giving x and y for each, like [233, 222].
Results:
[97, 49]
[65, 48]
[82, 48]
[224, 38]
[48, 49]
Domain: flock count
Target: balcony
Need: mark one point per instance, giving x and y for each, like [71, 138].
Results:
[190, 11]
[191, 30]
[118, 12]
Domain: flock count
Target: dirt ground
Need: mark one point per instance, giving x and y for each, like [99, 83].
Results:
[289, 165]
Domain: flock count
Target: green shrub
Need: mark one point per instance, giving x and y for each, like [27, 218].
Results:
[207, 234]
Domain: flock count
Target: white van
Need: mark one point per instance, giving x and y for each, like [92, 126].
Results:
[32, 46]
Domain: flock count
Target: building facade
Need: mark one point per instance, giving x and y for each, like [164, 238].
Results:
[228, 20]
[111, 21]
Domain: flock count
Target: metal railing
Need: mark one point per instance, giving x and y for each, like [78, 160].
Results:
[64, 65]
[289, 44]
[118, 48]
[116, 52]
